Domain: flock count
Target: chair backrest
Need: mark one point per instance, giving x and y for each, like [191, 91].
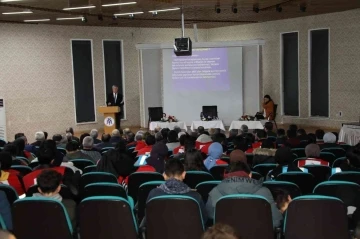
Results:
[346, 176]
[338, 152]
[10, 192]
[89, 169]
[205, 188]
[330, 157]
[226, 159]
[64, 192]
[62, 150]
[33, 164]
[300, 152]
[193, 178]
[320, 172]
[346, 147]
[82, 163]
[210, 111]
[96, 177]
[23, 170]
[104, 189]
[218, 171]
[338, 162]
[138, 178]
[179, 210]
[264, 169]
[347, 192]
[114, 218]
[305, 181]
[257, 176]
[155, 113]
[2, 222]
[23, 159]
[314, 217]
[18, 162]
[27, 225]
[249, 226]
[274, 186]
[143, 194]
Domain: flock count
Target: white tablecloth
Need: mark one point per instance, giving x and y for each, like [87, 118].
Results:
[236, 124]
[208, 124]
[169, 125]
[350, 134]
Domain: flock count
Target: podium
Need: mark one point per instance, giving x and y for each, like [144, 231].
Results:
[109, 117]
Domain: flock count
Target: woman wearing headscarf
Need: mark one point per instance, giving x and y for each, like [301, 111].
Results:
[158, 155]
[117, 162]
[214, 156]
[194, 161]
[284, 160]
[20, 149]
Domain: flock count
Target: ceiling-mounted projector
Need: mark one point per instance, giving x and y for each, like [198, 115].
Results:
[183, 46]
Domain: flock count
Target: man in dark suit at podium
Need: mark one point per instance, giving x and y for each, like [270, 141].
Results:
[115, 99]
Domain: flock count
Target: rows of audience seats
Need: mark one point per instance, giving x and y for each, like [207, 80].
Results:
[110, 189]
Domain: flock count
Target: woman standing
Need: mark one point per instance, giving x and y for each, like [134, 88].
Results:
[268, 106]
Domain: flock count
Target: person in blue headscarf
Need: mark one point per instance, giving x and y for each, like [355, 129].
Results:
[214, 155]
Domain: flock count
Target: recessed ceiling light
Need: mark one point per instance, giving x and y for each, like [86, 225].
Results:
[69, 18]
[165, 10]
[77, 8]
[37, 20]
[118, 4]
[128, 13]
[13, 13]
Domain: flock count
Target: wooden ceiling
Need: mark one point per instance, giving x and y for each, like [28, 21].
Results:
[201, 12]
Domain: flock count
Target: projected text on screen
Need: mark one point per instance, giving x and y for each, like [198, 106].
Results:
[206, 70]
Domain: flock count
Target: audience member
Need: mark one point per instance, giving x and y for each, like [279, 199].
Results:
[73, 152]
[88, 144]
[312, 152]
[239, 181]
[126, 131]
[9, 176]
[293, 127]
[220, 138]
[311, 138]
[94, 134]
[292, 141]
[214, 156]
[164, 133]
[139, 141]
[82, 139]
[269, 129]
[237, 156]
[20, 149]
[232, 134]
[105, 142]
[49, 186]
[337, 137]
[244, 130]
[264, 154]
[261, 136]
[353, 160]
[51, 145]
[46, 158]
[58, 138]
[157, 129]
[46, 135]
[158, 137]
[329, 141]
[158, 155]
[301, 135]
[117, 162]
[240, 143]
[18, 135]
[283, 199]
[319, 136]
[173, 141]
[220, 231]
[39, 138]
[211, 131]
[194, 161]
[181, 148]
[174, 175]
[202, 141]
[69, 137]
[177, 129]
[6, 234]
[69, 130]
[130, 140]
[115, 137]
[281, 137]
[284, 159]
[200, 130]
[150, 141]
[189, 144]
[11, 149]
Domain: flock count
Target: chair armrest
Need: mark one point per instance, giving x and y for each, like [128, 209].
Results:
[131, 202]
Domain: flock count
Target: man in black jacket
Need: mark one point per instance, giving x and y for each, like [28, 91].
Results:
[115, 99]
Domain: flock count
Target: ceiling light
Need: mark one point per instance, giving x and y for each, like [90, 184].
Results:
[278, 8]
[234, 8]
[13, 13]
[127, 14]
[118, 4]
[69, 18]
[165, 10]
[77, 8]
[37, 20]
